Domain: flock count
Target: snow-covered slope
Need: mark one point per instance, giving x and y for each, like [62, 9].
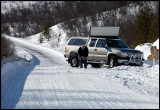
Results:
[145, 48]
[113, 17]
[109, 18]
[57, 42]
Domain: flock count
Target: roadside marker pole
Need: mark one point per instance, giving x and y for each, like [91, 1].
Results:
[153, 59]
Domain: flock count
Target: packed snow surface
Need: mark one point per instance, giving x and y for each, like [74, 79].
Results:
[49, 82]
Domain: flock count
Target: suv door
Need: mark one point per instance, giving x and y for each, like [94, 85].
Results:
[91, 47]
[100, 53]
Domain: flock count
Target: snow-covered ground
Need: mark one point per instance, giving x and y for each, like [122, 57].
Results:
[49, 82]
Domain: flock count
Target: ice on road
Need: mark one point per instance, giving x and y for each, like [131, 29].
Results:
[52, 84]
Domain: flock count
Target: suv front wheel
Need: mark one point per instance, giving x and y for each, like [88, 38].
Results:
[74, 61]
[113, 61]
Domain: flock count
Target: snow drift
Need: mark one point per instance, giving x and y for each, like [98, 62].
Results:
[145, 48]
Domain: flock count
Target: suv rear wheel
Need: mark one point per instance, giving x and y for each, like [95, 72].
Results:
[113, 61]
[74, 61]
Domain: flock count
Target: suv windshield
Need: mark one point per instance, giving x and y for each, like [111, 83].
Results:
[116, 43]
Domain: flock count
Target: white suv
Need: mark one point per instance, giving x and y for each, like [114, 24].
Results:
[102, 51]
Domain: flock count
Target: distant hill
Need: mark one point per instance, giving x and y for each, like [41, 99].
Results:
[28, 18]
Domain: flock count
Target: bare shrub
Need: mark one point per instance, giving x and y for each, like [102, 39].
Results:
[7, 47]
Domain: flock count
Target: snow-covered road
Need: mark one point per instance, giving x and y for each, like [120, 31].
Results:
[51, 83]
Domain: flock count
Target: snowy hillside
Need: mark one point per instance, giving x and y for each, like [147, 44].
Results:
[80, 25]
[123, 13]
[9, 5]
[56, 33]
[145, 48]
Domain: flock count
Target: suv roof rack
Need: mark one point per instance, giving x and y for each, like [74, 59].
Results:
[110, 32]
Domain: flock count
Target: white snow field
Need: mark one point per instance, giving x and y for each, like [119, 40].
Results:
[49, 82]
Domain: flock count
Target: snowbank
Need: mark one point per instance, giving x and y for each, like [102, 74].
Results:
[145, 48]
[156, 43]
[21, 58]
[49, 52]
[23, 54]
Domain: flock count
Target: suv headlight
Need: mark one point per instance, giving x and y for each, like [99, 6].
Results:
[122, 54]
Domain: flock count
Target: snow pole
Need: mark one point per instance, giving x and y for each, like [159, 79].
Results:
[153, 59]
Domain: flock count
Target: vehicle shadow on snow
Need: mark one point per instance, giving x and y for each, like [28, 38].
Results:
[12, 85]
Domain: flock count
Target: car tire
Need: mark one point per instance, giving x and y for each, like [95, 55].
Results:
[113, 61]
[74, 61]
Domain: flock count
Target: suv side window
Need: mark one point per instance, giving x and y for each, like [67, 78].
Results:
[80, 42]
[77, 42]
[100, 43]
[92, 42]
[71, 42]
